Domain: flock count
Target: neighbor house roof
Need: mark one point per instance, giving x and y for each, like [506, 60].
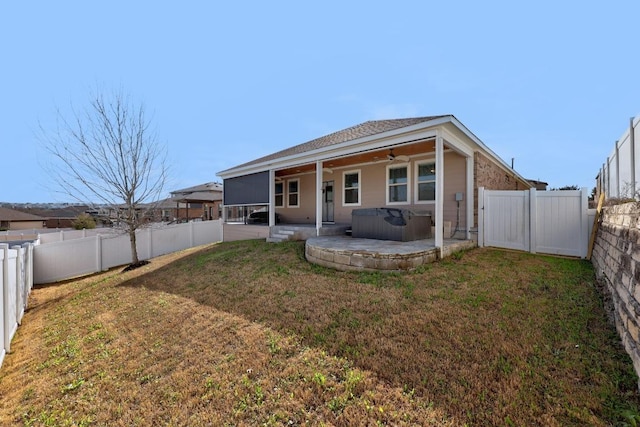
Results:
[209, 192]
[362, 130]
[7, 214]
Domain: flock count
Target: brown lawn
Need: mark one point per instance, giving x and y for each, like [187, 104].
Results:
[249, 333]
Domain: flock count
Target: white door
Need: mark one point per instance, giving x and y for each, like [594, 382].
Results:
[327, 201]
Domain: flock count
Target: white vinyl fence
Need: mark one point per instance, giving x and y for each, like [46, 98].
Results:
[61, 235]
[64, 259]
[619, 176]
[551, 222]
[16, 281]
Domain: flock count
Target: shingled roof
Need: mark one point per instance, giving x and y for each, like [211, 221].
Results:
[7, 214]
[372, 127]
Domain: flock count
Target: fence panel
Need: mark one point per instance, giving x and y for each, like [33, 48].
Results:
[115, 250]
[171, 239]
[619, 175]
[15, 286]
[3, 284]
[10, 296]
[552, 222]
[66, 259]
[70, 258]
[20, 278]
[204, 232]
[559, 223]
[61, 235]
[507, 219]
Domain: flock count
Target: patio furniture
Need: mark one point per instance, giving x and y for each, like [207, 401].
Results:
[390, 224]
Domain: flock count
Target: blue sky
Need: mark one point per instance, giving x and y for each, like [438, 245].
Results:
[551, 84]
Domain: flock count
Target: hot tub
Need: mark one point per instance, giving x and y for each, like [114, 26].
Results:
[390, 224]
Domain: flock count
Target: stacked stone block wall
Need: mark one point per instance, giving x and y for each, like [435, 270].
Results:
[616, 260]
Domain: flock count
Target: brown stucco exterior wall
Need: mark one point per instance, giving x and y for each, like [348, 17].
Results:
[489, 175]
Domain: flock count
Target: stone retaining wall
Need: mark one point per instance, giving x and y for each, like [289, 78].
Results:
[616, 260]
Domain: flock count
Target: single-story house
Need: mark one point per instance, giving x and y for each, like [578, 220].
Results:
[202, 201]
[432, 164]
[11, 219]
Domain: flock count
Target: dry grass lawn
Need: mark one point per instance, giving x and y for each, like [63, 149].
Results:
[249, 333]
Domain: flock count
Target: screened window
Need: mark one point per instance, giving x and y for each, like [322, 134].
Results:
[351, 188]
[426, 182]
[293, 196]
[279, 193]
[398, 184]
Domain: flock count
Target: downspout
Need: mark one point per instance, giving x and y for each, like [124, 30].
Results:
[470, 202]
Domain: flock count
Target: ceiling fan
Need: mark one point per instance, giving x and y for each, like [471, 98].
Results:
[400, 157]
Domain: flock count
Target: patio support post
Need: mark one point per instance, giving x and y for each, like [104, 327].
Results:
[272, 196]
[439, 192]
[318, 196]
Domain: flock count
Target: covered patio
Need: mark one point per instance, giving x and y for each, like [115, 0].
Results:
[426, 166]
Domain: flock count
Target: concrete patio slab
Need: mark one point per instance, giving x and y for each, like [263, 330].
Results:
[353, 254]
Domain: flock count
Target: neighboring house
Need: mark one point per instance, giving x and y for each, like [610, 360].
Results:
[57, 216]
[539, 185]
[424, 164]
[11, 219]
[202, 201]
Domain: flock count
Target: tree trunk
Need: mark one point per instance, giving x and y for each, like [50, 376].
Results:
[134, 249]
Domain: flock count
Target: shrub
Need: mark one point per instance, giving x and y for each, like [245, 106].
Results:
[84, 220]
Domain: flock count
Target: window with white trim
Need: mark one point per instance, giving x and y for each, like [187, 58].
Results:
[293, 193]
[351, 188]
[279, 193]
[426, 182]
[398, 184]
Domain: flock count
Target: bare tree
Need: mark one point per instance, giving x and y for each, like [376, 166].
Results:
[107, 153]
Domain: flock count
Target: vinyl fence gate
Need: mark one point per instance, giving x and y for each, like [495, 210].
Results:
[550, 222]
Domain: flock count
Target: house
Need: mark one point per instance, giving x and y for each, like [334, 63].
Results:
[202, 201]
[539, 185]
[432, 164]
[11, 219]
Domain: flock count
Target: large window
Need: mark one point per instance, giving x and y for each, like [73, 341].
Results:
[426, 179]
[279, 193]
[398, 184]
[293, 193]
[351, 188]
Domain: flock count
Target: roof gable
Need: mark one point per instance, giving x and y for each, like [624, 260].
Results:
[368, 128]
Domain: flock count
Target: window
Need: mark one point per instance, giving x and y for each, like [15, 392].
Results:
[279, 193]
[351, 183]
[426, 179]
[398, 184]
[293, 195]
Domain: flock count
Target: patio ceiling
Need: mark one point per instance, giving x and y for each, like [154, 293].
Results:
[413, 149]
